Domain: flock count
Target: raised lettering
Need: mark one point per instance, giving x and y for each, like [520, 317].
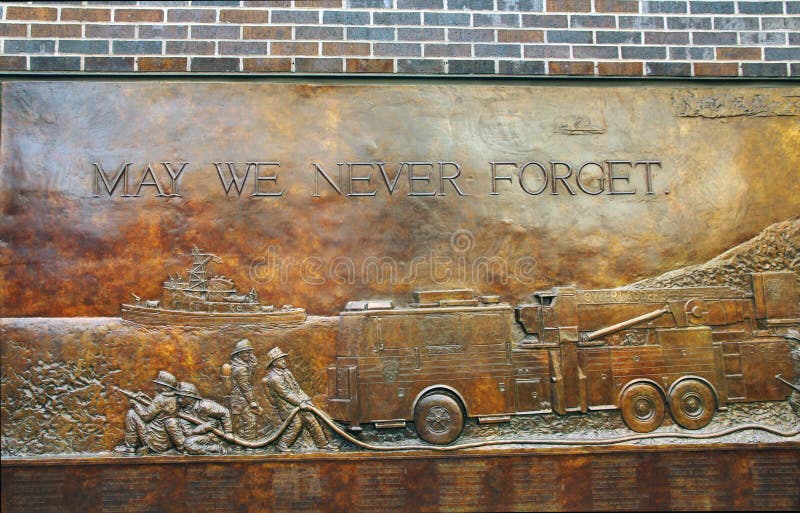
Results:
[601, 178]
[412, 178]
[451, 178]
[153, 183]
[522, 184]
[563, 178]
[351, 178]
[257, 192]
[648, 173]
[390, 186]
[319, 171]
[496, 178]
[612, 177]
[100, 176]
[235, 181]
[174, 176]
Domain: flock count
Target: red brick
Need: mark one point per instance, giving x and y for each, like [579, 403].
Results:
[268, 64]
[293, 48]
[571, 68]
[162, 63]
[83, 14]
[134, 15]
[267, 32]
[716, 69]
[370, 65]
[13, 30]
[56, 30]
[8, 63]
[738, 54]
[520, 36]
[315, 65]
[242, 16]
[14, 12]
[616, 6]
[631, 69]
[345, 49]
[569, 5]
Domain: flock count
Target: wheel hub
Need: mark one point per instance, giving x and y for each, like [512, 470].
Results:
[692, 405]
[438, 419]
[643, 408]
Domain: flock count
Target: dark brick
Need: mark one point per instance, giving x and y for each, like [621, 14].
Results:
[294, 48]
[420, 66]
[473, 5]
[699, 53]
[711, 7]
[29, 46]
[397, 18]
[689, 23]
[137, 47]
[319, 33]
[668, 69]
[644, 52]
[246, 47]
[56, 30]
[191, 15]
[85, 46]
[520, 5]
[266, 64]
[138, 15]
[498, 50]
[55, 63]
[162, 63]
[333, 49]
[250, 16]
[522, 68]
[795, 67]
[595, 52]
[495, 20]
[160, 3]
[664, 7]
[760, 7]
[368, 4]
[792, 7]
[215, 31]
[397, 49]
[762, 38]
[570, 36]
[111, 31]
[546, 52]
[620, 69]
[470, 35]
[85, 14]
[345, 18]
[190, 47]
[666, 38]
[420, 4]
[420, 34]
[588, 21]
[716, 69]
[8, 63]
[269, 32]
[616, 5]
[318, 4]
[571, 68]
[306, 65]
[782, 54]
[545, 20]
[735, 23]
[520, 36]
[613, 37]
[13, 30]
[447, 19]
[794, 39]
[443, 50]
[163, 31]
[714, 38]
[215, 3]
[739, 54]
[308, 17]
[641, 22]
[780, 23]
[369, 66]
[118, 64]
[569, 6]
[214, 64]
[462, 67]
[763, 69]
[14, 12]
[370, 33]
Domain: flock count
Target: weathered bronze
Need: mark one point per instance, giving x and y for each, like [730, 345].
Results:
[519, 297]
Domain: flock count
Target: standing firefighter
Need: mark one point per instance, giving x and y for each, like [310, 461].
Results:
[244, 407]
[285, 394]
[199, 438]
[153, 424]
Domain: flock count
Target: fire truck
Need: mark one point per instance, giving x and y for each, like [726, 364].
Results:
[450, 355]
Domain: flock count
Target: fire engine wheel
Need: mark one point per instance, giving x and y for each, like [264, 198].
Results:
[642, 407]
[438, 418]
[692, 404]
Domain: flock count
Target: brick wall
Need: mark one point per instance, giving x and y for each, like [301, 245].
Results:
[457, 37]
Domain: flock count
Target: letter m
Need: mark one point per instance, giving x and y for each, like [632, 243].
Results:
[101, 176]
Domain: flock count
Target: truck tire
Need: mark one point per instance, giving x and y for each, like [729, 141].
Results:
[438, 418]
[692, 404]
[642, 407]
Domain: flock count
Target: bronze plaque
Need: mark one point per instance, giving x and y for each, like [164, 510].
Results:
[254, 282]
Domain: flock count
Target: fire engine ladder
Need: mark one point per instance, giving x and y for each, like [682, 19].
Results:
[732, 365]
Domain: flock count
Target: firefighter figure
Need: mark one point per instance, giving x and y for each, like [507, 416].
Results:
[199, 439]
[153, 425]
[244, 407]
[285, 394]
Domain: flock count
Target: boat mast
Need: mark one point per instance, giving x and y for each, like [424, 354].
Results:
[197, 272]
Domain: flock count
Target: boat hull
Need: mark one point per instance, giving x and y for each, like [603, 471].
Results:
[163, 317]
